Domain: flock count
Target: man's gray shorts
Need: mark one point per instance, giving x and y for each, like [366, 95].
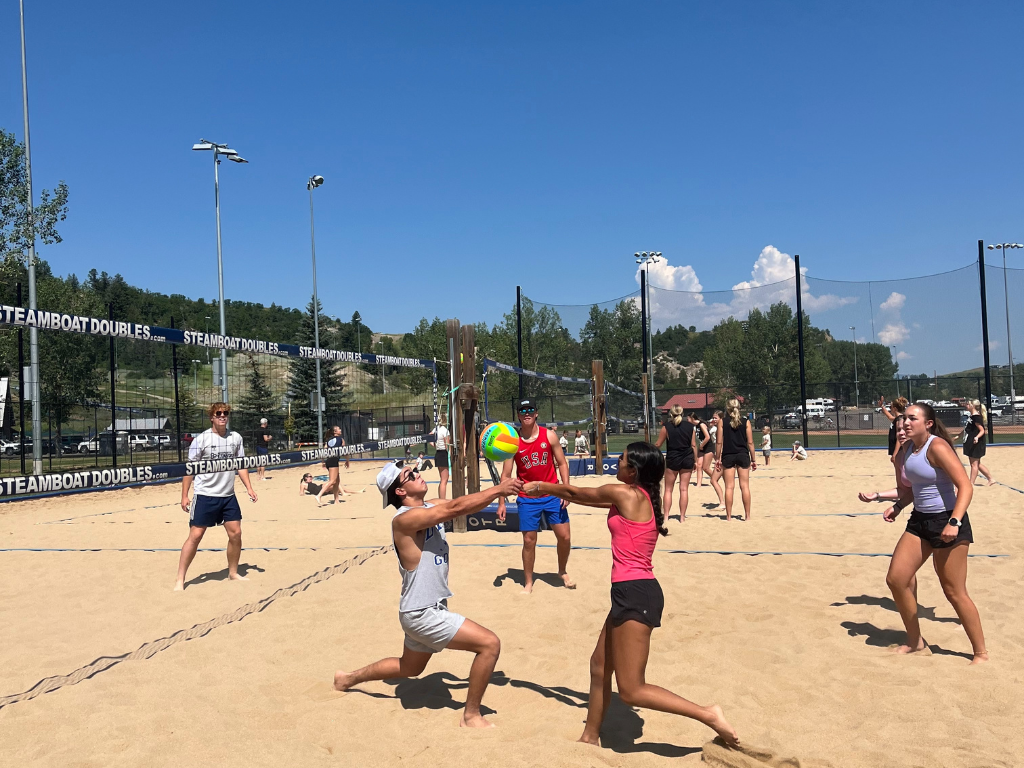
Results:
[429, 630]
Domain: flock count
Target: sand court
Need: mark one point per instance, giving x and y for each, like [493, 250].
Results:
[795, 647]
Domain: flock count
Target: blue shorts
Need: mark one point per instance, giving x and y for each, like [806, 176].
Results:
[207, 511]
[261, 450]
[530, 511]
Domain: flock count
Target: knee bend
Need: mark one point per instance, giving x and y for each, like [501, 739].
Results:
[235, 538]
[492, 647]
[597, 665]
[895, 582]
[629, 696]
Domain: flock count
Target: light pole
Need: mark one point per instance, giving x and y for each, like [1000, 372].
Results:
[645, 259]
[1004, 247]
[313, 183]
[233, 156]
[856, 382]
[33, 331]
[207, 333]
[383, 370]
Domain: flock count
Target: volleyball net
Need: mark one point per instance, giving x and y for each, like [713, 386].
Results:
[562, 401]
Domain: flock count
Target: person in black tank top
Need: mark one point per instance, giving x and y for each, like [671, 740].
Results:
[735, 451]
[974, 444]
[681, 435]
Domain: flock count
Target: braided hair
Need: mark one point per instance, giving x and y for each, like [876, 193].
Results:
[649, 463]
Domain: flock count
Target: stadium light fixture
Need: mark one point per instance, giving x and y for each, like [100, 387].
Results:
[220, 149]
[1004, 247]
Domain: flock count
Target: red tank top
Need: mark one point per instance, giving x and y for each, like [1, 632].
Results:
[534, 461]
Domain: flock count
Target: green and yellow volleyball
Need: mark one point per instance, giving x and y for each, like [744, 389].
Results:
[500, 441]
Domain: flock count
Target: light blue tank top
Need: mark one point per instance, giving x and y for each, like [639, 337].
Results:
[427, 584]
[934, 492]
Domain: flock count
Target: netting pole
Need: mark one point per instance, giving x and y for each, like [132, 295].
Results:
[800, 349]
[839, 440]
[984, 341]
[469, 394]
[456, 451]
[113, 393]
[177, 404]
[600, 418]
[519, 334]
[21, 386]
[643, 346]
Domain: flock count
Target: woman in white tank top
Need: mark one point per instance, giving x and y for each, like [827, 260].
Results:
[938, 528]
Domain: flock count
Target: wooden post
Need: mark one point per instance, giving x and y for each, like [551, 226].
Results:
[457, 479]
[470, 397]
[600, 417]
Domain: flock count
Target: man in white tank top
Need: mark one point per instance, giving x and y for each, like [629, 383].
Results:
[417, 530]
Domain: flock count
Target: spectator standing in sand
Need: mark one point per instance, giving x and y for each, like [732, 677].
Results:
[766, 444]
[735, 454]
[263, 438]
[581, 445]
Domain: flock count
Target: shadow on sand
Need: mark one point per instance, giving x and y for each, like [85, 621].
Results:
[222, 575]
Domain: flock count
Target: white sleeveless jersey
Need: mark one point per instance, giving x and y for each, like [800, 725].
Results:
[209, 446]
[427, 584]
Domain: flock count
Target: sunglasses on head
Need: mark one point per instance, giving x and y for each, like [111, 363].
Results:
[222, 414]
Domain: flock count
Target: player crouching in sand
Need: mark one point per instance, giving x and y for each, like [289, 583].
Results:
[417, 530]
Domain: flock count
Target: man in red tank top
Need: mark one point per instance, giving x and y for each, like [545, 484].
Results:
[538, 457]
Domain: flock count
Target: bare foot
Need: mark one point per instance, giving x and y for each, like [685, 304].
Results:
[991, 481]
[474, 721]
[979, 658]
[343, 680]
[569, 583]
[586, 738]
[916, 648]
[236, 577]
[179, 586]
[528, 589]
[717, 721]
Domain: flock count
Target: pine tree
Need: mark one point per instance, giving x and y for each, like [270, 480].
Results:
[259, 397]
[302, 380]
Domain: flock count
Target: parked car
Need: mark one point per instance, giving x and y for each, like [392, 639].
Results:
[791, 421]
[10, 447]
[630, 426]
[162, 442]
[91, 445]
[186, 439]
[138, 442]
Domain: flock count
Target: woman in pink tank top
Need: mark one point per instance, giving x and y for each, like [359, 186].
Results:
[635, 519]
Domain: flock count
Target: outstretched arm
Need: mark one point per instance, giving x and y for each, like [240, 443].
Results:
[603, 496]
[506, 473]
[426, 517]
[560, 461]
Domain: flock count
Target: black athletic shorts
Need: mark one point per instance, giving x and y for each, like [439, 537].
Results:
[679, 460]
[332, 462]
[640, 600]
[741, 460]
[441, 460]
[928, 528]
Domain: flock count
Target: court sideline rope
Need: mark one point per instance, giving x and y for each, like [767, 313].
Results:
[150, 649]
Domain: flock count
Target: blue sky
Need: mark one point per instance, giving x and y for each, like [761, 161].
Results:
[470, 147]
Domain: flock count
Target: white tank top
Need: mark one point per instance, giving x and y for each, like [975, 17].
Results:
[427, 584]
[442, 438]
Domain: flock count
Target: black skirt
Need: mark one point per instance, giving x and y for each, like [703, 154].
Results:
[974, 449]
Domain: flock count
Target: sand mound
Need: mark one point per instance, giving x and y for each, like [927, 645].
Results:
[717, 754]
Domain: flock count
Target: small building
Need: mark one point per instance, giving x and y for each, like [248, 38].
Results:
[701, 403]
[142, 426]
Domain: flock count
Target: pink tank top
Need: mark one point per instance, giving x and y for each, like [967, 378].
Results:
[632, 545]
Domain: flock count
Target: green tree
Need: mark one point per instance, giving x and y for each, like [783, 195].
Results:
[16, 227]
[259, 398]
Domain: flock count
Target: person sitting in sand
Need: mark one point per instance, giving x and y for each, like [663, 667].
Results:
[799, 452]
[307, 487]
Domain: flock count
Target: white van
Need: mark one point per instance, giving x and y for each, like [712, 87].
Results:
[813, 411]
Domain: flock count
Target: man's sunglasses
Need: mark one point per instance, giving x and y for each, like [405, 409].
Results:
[222, 414]
[526, 411]
[410, 476]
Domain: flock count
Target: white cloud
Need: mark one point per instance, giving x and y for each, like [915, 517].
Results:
[902, 356]
[993, 344]
[894, 302]
[893, 333]
[772, 279]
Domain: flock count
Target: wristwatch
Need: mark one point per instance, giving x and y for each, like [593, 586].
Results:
[954, 522]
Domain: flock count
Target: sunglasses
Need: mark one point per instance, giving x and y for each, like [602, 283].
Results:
[222, 414]
[412, 473]
[527, 411]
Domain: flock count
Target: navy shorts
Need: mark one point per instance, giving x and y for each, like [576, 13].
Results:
[207, 511]
[261, 450]
[530, 511]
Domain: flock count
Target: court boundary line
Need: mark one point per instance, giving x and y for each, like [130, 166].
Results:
[153, 647]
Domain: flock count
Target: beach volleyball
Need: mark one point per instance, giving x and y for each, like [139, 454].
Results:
[499, 441]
